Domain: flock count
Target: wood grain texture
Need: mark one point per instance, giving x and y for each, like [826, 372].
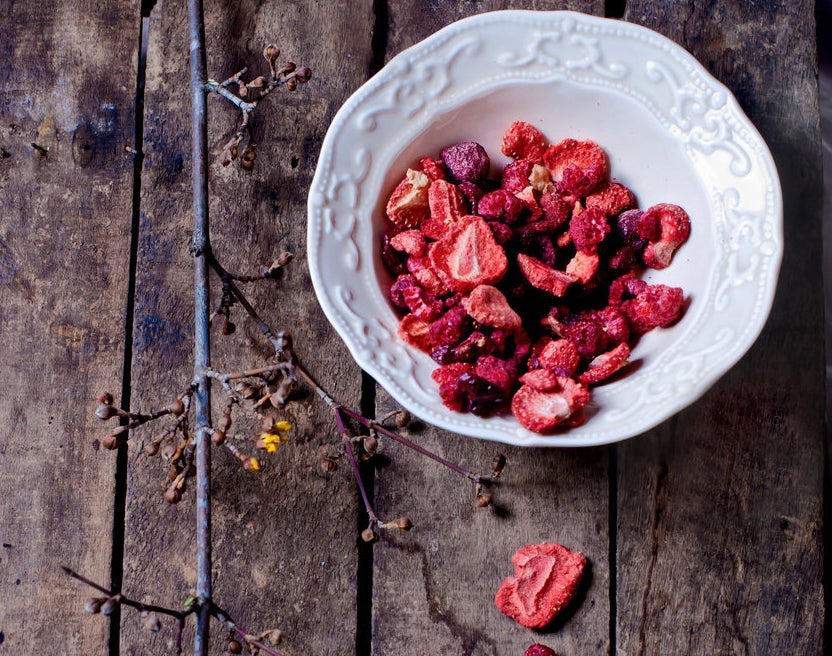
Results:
[433, 588]
[284, 539]
[67, 84]
[720, 508]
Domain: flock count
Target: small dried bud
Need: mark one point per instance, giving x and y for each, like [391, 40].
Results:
[242, 90]
[288, 67]
[271, 52]
[498, 464]
[234, 647]
[402, 418]
[94, 604]
[275, 636]
[110, 442]
[173, 495]
[284, 258]
[247, 158]
[152, 623]
[401, 524]
[110, 605]
[245, 390]
[172, 473]
[292, 83]
[218, 437]
[105, 398]
[168, 450]
[304, 74]
[328, 465]
[257, 83]
[284, 340]
[224, 423]
[370, 445]
[177, 407]
[105, 411]
[483, 500]
[369, 535]
[251, 464]
[228, 328]
[226, 157]
[151, 449]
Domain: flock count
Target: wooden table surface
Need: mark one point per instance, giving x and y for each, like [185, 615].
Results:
[704, 536]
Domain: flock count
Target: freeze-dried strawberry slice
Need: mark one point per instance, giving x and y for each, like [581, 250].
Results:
[422, 270]
[541, 412]
[539, 650]
[588, 229]
[544, 277]
[578, 165]
[411, 242]
[523, 141]
[487, 305]
[468, 255]
[542, 380]
[422, 304]
[433, 168]
[408, 204]
[414, 331]
[611, 198]
[546, 578]
[559, 356]
[674, 230]
[584, 266]
[655, 307]
[446, 202]
[606, 364]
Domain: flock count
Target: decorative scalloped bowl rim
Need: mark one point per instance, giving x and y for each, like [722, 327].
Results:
[673, 134]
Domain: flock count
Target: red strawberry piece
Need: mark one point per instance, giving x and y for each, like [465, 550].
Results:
[414, 331]
[674, 230]
[516, 175]
[584, 266]
[500, 204]
[433, 168]
[588, 229]
[523, 141]
[411, 242]
[546, 578]
[408, 205]
[539, 650]
[446, 202]
[422, 270]
[451, 372]
[542, 380]
[554, 208]
[544, 277]
[577, 165]
[541, 412]
[655, 307]
[487, 305]
[466, 161]
[422, 304]
[606, 364]
[611, 198]
[500, 373]
[468, 255]
[559, 356]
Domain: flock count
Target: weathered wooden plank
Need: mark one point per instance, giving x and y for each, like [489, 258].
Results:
[67, 84]
[433, 588]
[284, 539]
[720, 508]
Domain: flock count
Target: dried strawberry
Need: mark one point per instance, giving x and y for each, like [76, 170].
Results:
[611, 198]
[578, 165]
[433, 168]
[446, 202]
[559, 356]
[414, 331]
[542, 380]
[588, 229]
[541, 412]
[422, 270]
[487, 305]
[408, 206]
[411, 242]
[422, 304]
[467, 161]
[606, 364]
[516, 175]
[544, 277]
[674, 229]
[539, 650]
[584, 266]
[546, 578]
[451, 372]
[468, 255]
[523, 141]
[501, 205]
[655, 307]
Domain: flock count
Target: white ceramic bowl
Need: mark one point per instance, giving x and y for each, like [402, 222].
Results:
[672, 133]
